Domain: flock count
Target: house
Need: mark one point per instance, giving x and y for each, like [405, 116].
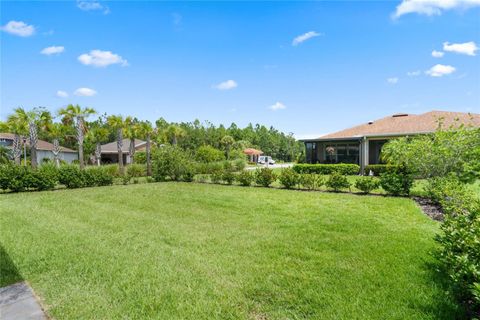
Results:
[362, 144]
[253, 154]
[44, 149]
[110, 152]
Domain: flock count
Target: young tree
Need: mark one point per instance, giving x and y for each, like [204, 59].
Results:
[118, 124]
[98, 135]
[227, 141]
[173, 133]
[131, 132]
[76, 115]
[55, 132]
[146, 131]
[19, 128]
[34, 119]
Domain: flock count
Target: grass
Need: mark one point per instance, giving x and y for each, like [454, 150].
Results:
[201, 251]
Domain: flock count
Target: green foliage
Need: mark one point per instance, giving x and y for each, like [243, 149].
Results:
[209, 168]
[367, 184]
[378, 169]
[111, 169]
[239, 164]
[171, 162]
[460, 240]
[265, 177]
[72, 177]
[208, 154]
[245, 178]
[455, 150]
[311, 181]
[13, 177]
[342, 168]
[136, 170]
[216, 177]
[97, 176]
[140, 157]
[337, 181]
[397, 182]
[289, 178]
[228, 177]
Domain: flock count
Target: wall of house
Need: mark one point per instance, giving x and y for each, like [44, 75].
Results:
[65, 156]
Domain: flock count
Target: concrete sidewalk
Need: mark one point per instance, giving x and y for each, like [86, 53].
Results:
[17, 302]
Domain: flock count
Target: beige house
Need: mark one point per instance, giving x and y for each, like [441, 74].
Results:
[110, 152]
[362, 144]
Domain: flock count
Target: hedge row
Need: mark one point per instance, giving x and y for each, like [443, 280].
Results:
[378, 169]
[342, 168]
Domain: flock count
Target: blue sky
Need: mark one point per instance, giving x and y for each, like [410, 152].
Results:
[239, 61]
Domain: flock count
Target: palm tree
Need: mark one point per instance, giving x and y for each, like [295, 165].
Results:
[35, 118]
[4, 155]
[55, 131]
[76, 115]
[98, 135]
[146, 131]
[19, 128]
[117, 123]
[227, 141]
[173, 133]
[131, 132]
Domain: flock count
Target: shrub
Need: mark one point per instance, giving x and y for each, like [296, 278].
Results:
[202, 178]
[97, 176]
[71, 176]
[228, 177]
[126, 179]
[208, 154]
[45, 178]
[311, 181]
[216, 177]
[140, 157]
[245, 178]
[336, 181]
[342, 168]
[136, 170]
[378, 169]
[150, 180]
[13, 177]
[188, 172]
[460, 237]
[367, 184]
[265, 177]
[111, 169]
[397, 182]
[289, 178]
[209, 168]
[239, 164]
[170, 162]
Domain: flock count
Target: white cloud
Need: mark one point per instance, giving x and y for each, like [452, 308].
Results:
[226, 85]
[414, 73]
[19, 28]
[304, 37]
[393, 80]
[62, 94]
[467, 48]
[52, 50]
[432, 7]
[98, 58]
[439, 70]
[92, 5]
[437, 54]
[277, 106]
[85, 92]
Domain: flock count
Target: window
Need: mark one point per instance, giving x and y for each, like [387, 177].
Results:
[311, 152]
[342, 153]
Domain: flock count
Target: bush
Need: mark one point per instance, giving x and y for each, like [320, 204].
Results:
[239, 164]
[71, 176]
[311, 181]
[171, 162]
[208, 154]
[188, 172]
[136, 170]
[45, 178]
[265, 177]
[460, 237]
[397, 182]
[140, 157]
[337, 182]
[342, 168]
[97, 176]
[14, 178]
[228, 177]
[111, 169]
[289, 178]
[378, 169]
[367, 184]
[209, 168]
[216, 177]
[245, 178]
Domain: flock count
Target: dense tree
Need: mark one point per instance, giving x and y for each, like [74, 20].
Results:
[117, 123]
[145, 131]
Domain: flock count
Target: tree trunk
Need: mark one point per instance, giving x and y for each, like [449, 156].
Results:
[131, 150]
[56, 152]
[80, 141]
[17, 149]
[119, 149]
[149, 161]
[98, 153]
[174, 140]
[33, 144]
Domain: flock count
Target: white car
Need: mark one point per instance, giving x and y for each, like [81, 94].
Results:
[265, 160]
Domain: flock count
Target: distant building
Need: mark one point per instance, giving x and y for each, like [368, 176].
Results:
[110, 152]
[44, 149]
[363, 144]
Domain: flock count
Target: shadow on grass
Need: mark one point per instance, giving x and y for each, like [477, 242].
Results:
[8, 271]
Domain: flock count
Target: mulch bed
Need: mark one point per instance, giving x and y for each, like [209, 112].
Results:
[431, 209]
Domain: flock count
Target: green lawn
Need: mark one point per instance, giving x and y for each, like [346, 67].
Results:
[200, 251]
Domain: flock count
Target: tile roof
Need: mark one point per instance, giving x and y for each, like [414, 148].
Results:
[41, 144]
[403, 124]
[112, 146]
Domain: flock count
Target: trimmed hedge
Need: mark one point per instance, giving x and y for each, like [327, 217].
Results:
[378, 169]
[342, 168]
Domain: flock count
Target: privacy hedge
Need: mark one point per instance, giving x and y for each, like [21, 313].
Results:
[378, 169]
[342, 168]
